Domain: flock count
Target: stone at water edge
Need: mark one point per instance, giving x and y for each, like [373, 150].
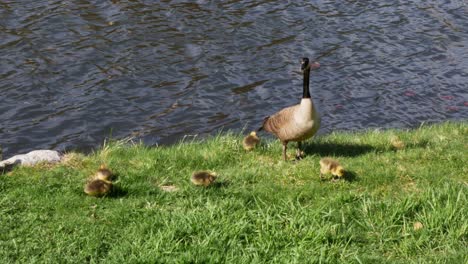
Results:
[32, 158]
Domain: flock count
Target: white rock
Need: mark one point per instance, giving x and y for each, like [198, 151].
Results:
[32, 158]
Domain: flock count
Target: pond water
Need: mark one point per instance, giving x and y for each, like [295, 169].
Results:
[73, 73]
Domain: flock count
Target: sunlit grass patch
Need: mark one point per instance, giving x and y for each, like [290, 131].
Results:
[404, 204]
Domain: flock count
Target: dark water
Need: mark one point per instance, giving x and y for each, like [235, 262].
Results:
[75, 72]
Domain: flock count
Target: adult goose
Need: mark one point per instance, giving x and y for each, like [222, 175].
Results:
[298, 122]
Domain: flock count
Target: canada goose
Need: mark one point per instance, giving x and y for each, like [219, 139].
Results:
[298, 122]
[101, 184]
[329, 165]
[250, 141]
[204, 178]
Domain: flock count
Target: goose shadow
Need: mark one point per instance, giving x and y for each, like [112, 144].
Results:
[339, 150]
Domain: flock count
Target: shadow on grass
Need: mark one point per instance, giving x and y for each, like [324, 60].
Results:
[413, 145]
[350, 176]
[214, 185]
[117, 192]
[221, 184]
[333, 149]
[7, 168]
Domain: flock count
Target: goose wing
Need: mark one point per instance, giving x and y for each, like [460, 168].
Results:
[279, 121]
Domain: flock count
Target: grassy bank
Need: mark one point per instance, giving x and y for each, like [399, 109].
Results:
[262, 209]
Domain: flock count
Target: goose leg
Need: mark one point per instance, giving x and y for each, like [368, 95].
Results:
[285, 146]
[298, 151]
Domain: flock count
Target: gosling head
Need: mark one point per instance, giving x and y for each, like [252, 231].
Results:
[103, 173]
[307, 65]
[211, 178]
[339, 171]
[253, 134]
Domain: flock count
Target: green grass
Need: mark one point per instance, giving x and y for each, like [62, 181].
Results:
[263, 210]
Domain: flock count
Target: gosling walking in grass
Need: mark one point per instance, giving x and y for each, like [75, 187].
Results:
[203, 178]
[101, 184]
[331, 166]
[250, 141]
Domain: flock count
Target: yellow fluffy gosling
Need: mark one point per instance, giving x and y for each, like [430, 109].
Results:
[203, 178]
[250, 141]
[101, 184]
[332, 166]
[397, 143]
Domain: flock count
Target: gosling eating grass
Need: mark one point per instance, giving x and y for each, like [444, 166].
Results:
[250, 141]
[331, 166]
[203, 178]
[101, 184]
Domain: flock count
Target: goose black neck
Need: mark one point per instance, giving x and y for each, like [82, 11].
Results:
[306, 92]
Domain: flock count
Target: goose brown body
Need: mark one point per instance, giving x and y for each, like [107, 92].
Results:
[294, 123]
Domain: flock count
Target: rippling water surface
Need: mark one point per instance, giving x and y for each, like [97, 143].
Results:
[75, 72]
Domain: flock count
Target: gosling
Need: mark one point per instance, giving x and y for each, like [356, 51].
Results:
[397, 143]
[203, 178]
[332, 166]
[101, 184]
[250, 141]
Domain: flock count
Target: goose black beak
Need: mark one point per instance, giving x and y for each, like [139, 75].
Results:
[304, 63]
